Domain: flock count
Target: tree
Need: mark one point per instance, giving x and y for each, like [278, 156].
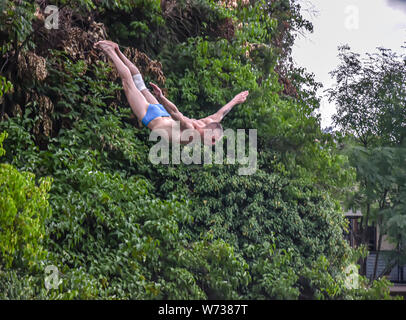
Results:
[370, 94]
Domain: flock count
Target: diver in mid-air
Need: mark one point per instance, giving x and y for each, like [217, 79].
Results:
[158, 112]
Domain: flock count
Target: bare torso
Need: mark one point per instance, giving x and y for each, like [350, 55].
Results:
[174, 128]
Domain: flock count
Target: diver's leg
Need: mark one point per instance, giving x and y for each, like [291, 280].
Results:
[144, 90]
[137, 77]
[136, 99]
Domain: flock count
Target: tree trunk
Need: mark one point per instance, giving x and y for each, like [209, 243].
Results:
[377, 256]
[379, 223]
[364, 238]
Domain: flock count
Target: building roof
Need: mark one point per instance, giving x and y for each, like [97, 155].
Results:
[352, 215]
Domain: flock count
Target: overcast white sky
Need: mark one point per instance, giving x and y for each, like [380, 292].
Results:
[362, 24]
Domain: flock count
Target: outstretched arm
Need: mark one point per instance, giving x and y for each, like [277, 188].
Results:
[170, 107]
[239, 98]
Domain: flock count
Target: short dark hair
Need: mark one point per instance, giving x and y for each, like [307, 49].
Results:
[213, 126]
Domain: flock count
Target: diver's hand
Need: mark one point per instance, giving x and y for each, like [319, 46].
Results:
[241, 97]
[156, 89]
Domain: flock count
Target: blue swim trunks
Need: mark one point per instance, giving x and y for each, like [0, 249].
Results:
[154, 111]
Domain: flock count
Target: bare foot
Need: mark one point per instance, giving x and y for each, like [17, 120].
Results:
[105, 46]
[111, 43]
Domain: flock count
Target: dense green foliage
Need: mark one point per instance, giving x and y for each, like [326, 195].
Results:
[122, 227]
[24, 208]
